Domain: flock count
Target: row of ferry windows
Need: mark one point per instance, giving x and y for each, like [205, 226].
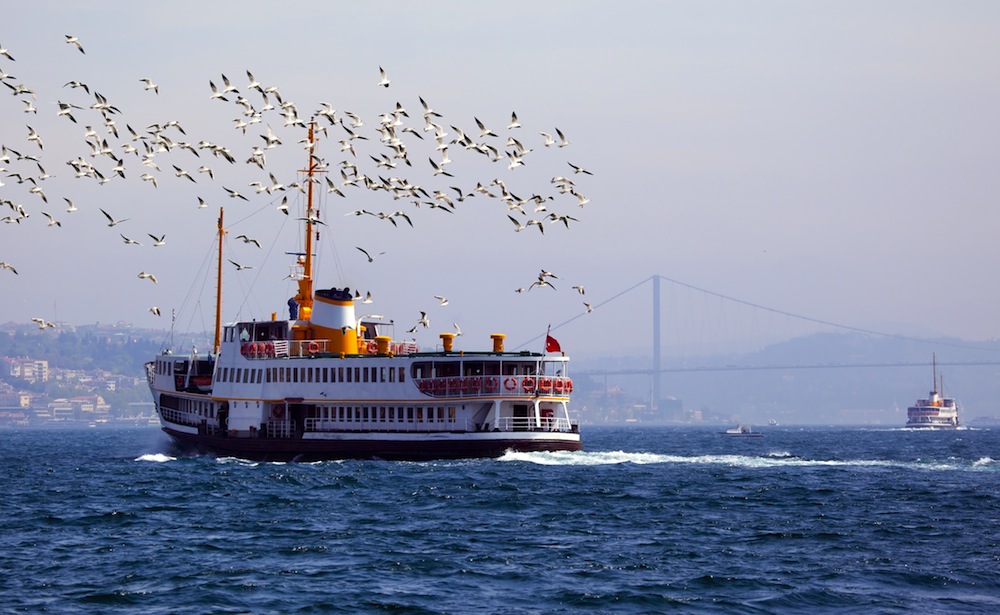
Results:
[312, 374]
[387, 414]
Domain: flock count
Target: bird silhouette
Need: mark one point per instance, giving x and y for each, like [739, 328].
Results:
[371, 258]
[112, 221]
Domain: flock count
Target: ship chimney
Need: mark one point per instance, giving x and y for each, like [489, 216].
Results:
[332, 318]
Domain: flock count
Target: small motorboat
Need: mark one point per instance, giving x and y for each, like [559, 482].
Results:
[742, 431]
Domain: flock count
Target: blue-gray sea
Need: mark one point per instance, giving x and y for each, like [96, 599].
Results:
[646, 520]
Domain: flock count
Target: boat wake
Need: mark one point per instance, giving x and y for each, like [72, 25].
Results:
[781, 459]
[582, 458]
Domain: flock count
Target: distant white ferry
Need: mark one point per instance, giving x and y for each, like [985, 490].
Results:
[934, 411]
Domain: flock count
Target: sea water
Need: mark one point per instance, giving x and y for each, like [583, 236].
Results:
[645, 520]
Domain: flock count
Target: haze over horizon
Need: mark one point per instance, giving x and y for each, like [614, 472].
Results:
[835, 161]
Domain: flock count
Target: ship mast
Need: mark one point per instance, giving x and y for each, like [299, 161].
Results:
[934, 367]
[218, 292]
[305, 295]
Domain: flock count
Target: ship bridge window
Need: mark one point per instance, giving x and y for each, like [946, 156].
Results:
[422, 369]
[473, 368]
[514, 368]
[368, 330]
[447, 368]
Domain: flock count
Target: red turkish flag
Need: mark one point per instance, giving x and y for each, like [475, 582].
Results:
[551, 345]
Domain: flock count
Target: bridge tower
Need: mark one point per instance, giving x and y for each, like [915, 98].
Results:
[655, 402]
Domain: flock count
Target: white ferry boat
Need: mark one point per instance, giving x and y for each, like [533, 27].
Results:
[934, 411]
[325, 384]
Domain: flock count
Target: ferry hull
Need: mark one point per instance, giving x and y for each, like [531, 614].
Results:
[931, 426]
[424, 447]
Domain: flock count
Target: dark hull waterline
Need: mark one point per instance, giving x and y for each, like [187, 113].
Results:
[424, 449]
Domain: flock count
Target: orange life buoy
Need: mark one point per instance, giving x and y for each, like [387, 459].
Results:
[557, 385]
[278, 412]
[372, 347]
[569, 386]
[545, 385]
[510, 383]
[439, 385]
[269, 349]
[528, 384]
[313, 347]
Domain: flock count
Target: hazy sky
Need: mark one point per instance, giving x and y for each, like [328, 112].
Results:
[831, 159]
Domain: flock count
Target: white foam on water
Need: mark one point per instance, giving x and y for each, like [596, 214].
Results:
[779, 459]
[155, 457]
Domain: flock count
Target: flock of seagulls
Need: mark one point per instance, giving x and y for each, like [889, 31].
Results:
[376, 156]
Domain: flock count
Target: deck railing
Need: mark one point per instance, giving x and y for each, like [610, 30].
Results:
[495, 386]
[310, 348]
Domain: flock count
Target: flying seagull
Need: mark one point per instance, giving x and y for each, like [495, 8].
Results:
[235, 195]
[248, 240]
[72, 40]
[112, 221]
[384, 79]
[52, 221]
[370, 257]
[563, 142]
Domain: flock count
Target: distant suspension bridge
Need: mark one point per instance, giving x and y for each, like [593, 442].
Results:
[657, 368]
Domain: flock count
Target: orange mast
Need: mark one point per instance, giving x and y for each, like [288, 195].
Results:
[305, 295]
[218, 292]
